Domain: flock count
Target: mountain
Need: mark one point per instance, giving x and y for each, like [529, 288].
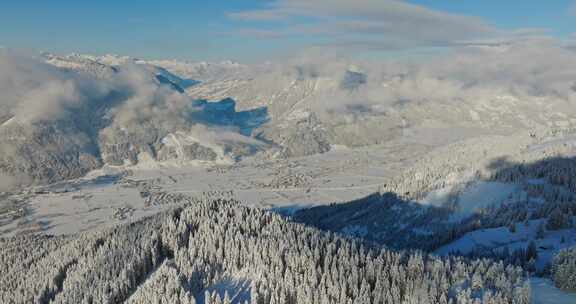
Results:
[83, 114]
[362, 104]
[331, 101]
[466, 171]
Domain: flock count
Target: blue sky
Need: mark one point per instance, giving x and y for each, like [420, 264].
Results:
[257, 30]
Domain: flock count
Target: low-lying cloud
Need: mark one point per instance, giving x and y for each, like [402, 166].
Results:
[34, 91]
[528, 71]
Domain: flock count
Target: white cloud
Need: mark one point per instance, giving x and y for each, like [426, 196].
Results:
[369, 25]
[395, 23]
[572, 9]
[33, 91]
[531, 71]
[260, 33]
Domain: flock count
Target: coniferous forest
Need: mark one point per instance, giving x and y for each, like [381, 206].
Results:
[181, 256]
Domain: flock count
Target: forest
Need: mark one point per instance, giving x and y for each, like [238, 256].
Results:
[175, 257]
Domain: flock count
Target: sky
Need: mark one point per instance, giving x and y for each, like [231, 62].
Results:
[261, 30]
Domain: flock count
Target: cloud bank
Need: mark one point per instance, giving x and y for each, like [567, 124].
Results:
[530, 72]
[34, 91]
[62, 119]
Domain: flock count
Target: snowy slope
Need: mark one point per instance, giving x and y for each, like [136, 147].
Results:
[500, 239]
[544, 292]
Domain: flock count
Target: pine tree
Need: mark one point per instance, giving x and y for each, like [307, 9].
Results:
[477, 281]
[540, 232]
[564, 269]
[226, 298]
[531, 251]
[558, 220]
[512, 227]
[167, 258]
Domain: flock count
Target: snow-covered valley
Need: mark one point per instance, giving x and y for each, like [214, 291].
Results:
[483, 178]
[90, 202]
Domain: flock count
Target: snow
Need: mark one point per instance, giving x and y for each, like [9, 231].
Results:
[501, 237]
[544, 292]
[8, 122]
[341, 175]
[470, 197]
[337, 176]
[91, 207]
[566, 141]
[238, 290]
[437, 198]
[484, 194]
[298, 115]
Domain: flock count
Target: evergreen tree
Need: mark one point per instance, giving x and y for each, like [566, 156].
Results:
[558, 220]
[540, 233]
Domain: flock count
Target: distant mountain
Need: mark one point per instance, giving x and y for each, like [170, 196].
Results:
[133, 108]
[360, 104]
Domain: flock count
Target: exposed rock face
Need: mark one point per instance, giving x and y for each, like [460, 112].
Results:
[159, 122]
[78, 63]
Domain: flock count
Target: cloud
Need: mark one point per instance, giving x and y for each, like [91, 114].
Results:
[395, 23]
[34, 91]
[146, 101]
[260, 33]
[530, 71]
[572, 9]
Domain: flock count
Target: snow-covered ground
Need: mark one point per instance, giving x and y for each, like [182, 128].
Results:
[544, 292]
[501, 238]
[470, 197]
[90, 206]
[106, 197]
[238, 291]
[102, 198]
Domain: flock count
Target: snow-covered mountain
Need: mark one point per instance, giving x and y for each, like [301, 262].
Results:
[496, 91]
[461, 157]
[67, 115]
[366, 103]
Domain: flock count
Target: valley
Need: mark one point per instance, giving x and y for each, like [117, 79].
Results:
[142, 148]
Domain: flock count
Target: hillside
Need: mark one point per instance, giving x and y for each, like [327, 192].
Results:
[176, 256]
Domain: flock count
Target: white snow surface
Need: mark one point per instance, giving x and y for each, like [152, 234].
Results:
[470, 197]
[238, 290]
[544, 292]
[501, 237]
[90, 202]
